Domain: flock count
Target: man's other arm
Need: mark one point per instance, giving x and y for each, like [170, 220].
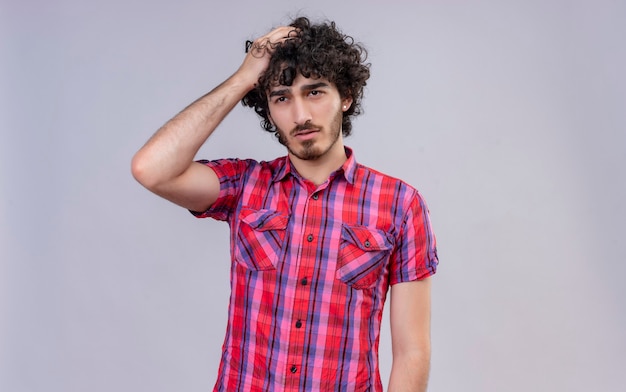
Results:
[410, 336]
[165, 164]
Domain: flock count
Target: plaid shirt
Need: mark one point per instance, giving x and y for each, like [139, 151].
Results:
[310, 272]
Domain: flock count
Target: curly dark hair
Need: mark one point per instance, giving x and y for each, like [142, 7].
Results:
[318, 51]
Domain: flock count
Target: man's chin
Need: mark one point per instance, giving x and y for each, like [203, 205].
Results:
[306, 153]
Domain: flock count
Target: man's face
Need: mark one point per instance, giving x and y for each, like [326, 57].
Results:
[308, 116]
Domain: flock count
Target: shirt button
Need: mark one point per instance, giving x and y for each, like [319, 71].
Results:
[367, 243]
[293, 369]
[304, 282]
[298, 324]
[316, 196]
[309, 238]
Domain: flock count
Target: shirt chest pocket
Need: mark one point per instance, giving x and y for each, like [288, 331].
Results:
[259, 239]
[363, 253]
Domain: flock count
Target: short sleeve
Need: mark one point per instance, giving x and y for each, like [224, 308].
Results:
[415, 255]
[231, 173]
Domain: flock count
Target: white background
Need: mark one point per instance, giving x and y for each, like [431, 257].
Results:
[508, 116]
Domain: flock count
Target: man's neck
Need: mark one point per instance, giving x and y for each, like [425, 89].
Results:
[318, 170]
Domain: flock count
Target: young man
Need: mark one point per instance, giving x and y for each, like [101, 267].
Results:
[316, 238]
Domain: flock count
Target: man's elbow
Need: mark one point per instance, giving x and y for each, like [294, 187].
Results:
[143, 172]
[415, 354]
[410, 370]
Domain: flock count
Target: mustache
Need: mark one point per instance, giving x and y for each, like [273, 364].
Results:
[302, 127]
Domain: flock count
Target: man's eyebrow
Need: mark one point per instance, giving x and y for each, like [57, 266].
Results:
[280, 92]
[306, 87]
[313, 86]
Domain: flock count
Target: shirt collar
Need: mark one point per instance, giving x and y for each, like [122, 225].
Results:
[348, 169]
[349, 166]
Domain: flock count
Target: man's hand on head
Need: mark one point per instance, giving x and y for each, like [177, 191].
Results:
[259, 52]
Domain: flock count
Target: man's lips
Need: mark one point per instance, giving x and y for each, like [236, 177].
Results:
[304, 132]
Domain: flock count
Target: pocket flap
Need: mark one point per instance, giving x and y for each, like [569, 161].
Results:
[262, 220]
[366, 238]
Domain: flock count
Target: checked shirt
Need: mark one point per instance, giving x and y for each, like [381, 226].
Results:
[311, 267]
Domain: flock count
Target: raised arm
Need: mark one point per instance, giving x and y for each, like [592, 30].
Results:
[165, 164]
[410, 336]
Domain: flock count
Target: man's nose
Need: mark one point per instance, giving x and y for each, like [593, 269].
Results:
[301, 112]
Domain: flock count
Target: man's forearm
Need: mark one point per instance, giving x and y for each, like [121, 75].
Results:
[173, 147]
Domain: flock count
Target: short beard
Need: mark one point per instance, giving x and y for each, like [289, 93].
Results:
[309, 151]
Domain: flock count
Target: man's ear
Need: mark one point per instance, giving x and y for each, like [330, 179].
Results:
[346, 103]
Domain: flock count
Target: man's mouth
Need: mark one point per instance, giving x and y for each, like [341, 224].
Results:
[304, 129]
[305, 132]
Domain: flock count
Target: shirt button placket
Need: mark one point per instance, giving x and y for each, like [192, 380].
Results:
[306, 269]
